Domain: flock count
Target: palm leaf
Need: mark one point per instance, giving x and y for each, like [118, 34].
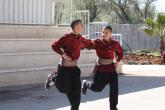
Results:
[149, 32]
[150, 22]
[156, 28]
[161, 19]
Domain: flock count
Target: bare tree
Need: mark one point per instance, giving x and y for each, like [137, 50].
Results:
[123, 11]
[131, 11]
[148, 5]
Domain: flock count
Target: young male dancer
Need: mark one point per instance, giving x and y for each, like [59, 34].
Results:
[105, 68]
[68, 78]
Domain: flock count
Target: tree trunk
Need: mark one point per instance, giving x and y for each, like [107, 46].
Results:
[161, 44]
[145, 12]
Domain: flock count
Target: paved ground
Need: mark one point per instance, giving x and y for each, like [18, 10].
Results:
[141, 88]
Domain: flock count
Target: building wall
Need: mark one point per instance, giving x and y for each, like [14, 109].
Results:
[26, 12]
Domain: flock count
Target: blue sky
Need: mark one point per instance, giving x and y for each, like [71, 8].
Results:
[160, 5]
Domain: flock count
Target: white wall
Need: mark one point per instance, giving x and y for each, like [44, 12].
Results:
[26, 56]
[26, 12]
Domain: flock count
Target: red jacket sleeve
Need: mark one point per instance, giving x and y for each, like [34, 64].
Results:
[57, 45]
[119, 49]
[88, 43]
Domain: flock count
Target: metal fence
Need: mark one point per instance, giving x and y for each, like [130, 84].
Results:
[62, 12]
[84, 16]
[96, 28]
[26, 12]
[40, 12]
[131, 35]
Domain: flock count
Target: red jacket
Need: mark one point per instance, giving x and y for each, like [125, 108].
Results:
[71, 44]
[105, 50]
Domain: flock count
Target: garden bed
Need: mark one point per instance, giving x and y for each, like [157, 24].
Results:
[142, 58]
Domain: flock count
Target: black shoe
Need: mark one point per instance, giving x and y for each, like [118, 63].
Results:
[114, 109]
[84, 87]
[49, 82]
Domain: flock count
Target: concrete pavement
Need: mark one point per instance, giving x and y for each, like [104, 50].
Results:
[141, 89]
[144, 100]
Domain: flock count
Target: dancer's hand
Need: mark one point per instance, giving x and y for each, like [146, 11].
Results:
[116, 64]
[66, 57]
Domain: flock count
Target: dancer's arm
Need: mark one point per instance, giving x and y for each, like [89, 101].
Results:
[57, 47]
[119, 50]
[88, 43]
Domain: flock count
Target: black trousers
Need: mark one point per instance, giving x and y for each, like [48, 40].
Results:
[68, 82]
[100, 80]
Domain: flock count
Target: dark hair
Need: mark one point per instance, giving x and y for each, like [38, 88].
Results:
[108, 27]
[75, 22]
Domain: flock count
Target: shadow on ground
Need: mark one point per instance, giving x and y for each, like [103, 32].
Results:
[34, 97]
